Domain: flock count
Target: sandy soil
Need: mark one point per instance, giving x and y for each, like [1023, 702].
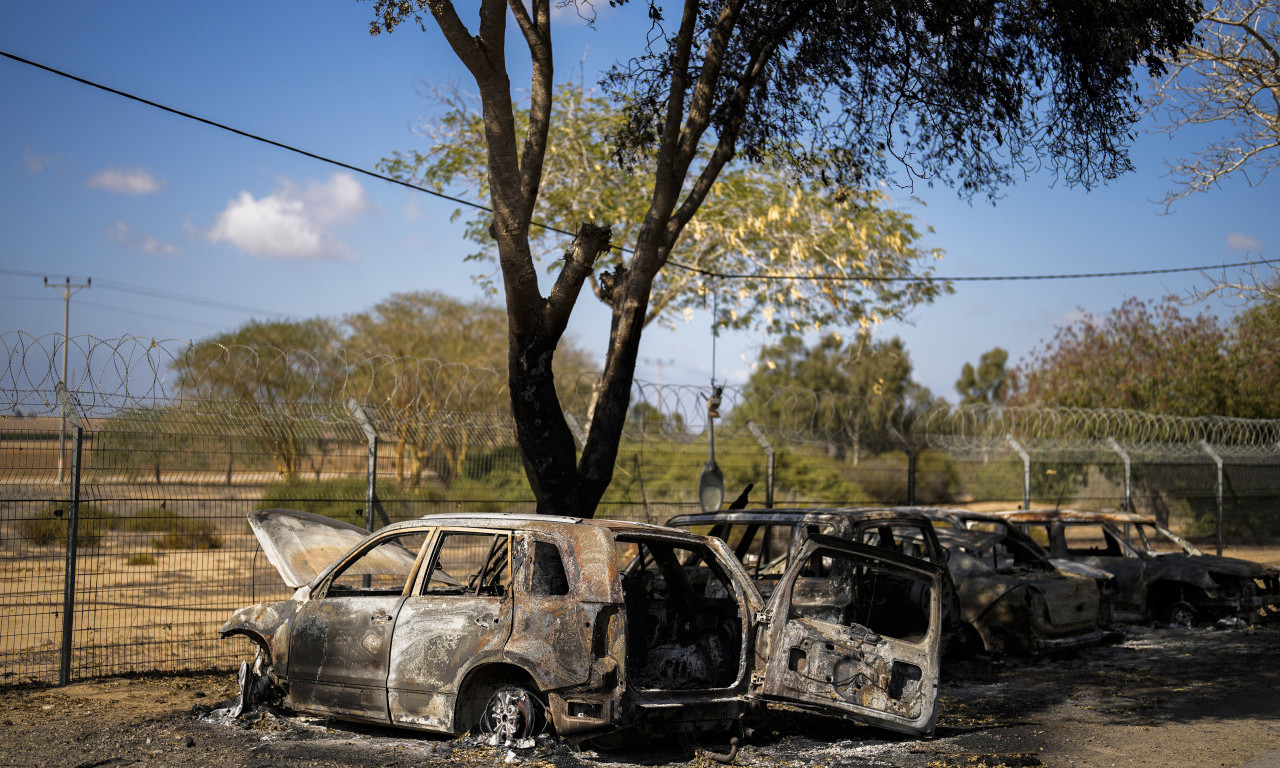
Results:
[1155, 697]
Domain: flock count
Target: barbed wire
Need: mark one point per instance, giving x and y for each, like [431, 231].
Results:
[422, 400]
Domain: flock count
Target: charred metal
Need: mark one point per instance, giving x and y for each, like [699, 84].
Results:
[512, 624]
[1158, 575]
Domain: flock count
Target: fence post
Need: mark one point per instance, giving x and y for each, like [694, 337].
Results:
[1026, 470]
[769, 454]
[911, 452]
[371, 474]
[1128, 470]
[73, 532]
[1218, 461]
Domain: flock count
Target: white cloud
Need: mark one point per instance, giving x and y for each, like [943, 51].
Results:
[35, 161]
[292, 223]
[1239, 242]
[127, 181]
[123, 236]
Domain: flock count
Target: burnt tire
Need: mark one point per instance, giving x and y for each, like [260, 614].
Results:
[1181, 613]
[512, 713]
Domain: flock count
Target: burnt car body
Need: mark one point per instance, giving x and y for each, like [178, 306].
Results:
[1022, 607]
[500, 623]
[1158, 575]
[1012, 595]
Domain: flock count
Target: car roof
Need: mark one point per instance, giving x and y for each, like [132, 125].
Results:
[798, 514]
[1073, 516]
[530, 521]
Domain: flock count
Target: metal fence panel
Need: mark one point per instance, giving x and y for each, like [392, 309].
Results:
[164, 553]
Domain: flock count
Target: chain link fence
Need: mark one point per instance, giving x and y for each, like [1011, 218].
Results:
[161, 458]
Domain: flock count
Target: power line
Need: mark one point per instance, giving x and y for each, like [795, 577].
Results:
[156, 293]
[153, 316]
[549, 228]
[969, 279]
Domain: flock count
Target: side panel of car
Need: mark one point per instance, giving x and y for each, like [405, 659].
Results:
[459, 616]
[341, 638]
[573, 648]
[1095, 546]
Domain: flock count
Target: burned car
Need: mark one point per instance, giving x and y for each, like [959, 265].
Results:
[506, 624]
[1158, 575]
[1011, 595]
[1023, 607]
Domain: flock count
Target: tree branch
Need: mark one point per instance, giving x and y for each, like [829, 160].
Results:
[537, 35]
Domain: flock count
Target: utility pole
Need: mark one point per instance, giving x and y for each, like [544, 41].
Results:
[68, 289]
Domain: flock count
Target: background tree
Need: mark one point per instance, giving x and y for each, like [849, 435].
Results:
[833, 90]
[1254, 360]
[1228, 77]
[862, 389]
[984, 385]
[270, 368]
[1136, 357]
[754, 221]
[436, 362]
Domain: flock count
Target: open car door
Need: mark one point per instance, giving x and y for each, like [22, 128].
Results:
[854, 631]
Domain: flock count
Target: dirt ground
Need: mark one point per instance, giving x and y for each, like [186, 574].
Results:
[1153, 697]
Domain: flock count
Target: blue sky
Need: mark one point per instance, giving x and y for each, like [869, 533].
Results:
[225, 229]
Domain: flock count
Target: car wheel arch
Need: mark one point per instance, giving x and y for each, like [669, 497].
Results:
[480, 680]
[1162, 595]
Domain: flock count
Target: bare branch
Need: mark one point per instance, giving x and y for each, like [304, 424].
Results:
[1230, 78]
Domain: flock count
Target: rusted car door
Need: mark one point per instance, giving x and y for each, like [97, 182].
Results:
[458, 616]
[340, 642]
[854, 629]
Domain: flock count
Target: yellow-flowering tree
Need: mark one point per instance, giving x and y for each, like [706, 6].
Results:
[836, 244]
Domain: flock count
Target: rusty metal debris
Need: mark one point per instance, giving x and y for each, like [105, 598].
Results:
[509, 624]
[1159, 576]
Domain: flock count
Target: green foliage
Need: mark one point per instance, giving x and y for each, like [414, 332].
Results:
[985, 384]
[756, 220]
[178, 532]
[999, 480]
[195, 534]
[339, 498]
[1155, 359]
[44, 529]
[1136, 357]
[884, 477]
[141, 558]
[1254, 360]
[811, 478]
[863, 390]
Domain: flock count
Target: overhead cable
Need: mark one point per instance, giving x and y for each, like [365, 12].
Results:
[689, 268]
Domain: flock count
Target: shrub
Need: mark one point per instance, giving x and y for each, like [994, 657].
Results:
[140, 559]
[45, 529]
[194, 537]
[885, 478]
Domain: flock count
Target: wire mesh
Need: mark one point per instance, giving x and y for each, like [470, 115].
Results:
[176, 452]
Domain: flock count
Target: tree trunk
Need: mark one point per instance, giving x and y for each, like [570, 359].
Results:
[546, 443]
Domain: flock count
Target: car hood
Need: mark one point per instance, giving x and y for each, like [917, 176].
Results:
[301, 545]
[1231, 566]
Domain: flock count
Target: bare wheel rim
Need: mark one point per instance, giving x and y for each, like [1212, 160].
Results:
[511, 714]
[1181, 613]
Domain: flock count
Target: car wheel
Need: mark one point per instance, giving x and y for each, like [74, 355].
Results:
[511, 714]
[1181, 613]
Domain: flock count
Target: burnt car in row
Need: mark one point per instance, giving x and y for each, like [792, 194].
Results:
[1021, 605]
[1012, 595]
[507, 624]
[1159, 576]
